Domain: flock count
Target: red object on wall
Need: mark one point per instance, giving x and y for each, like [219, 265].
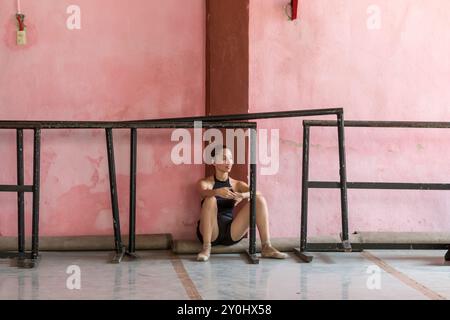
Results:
[294, 6]
[21, 21]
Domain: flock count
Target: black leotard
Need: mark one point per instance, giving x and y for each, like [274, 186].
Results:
[224, 216]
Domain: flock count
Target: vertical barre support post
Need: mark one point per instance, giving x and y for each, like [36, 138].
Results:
[120, 250]
[343, 182]
[133, 168]
[251, 253]
[304, 206]
[20, 194]
[36, 193]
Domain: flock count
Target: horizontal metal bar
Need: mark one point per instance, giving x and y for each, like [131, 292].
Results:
[169, 122]
[254, 116]
[379, 185]
[9, 188]
[118, 125]
[332, 247]
[379, 124]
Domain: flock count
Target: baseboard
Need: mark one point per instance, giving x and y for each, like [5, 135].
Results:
[90, 243]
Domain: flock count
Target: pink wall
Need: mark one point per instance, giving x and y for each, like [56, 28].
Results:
[146, 59]
[131, 59]
[329, 58]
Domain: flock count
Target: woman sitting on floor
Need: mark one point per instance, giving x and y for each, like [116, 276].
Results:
[220, 194]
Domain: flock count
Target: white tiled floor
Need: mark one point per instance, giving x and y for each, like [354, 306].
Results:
[153, 276]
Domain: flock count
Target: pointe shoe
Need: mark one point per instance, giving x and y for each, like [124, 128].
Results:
[202, 257]
[272, 253]
[204, 254]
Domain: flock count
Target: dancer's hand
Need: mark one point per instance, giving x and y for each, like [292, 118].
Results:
[226, 193]
[239, 197]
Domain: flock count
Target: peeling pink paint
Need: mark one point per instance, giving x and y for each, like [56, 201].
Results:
[130, 60]
[329, 58]
[147, 60]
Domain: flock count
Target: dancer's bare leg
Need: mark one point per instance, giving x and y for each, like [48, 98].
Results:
[241, 222]
[208, 227]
